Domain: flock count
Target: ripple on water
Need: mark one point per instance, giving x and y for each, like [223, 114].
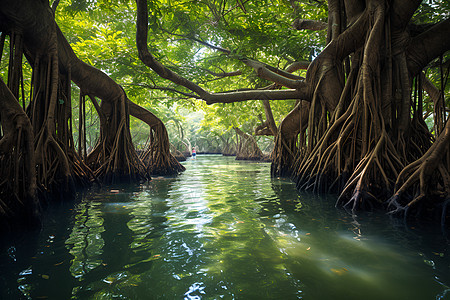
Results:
[224, 229]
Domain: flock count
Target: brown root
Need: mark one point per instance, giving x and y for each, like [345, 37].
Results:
[247, 147]
[157, 156]
[18, 197]
[114, 158]
[289, 140]
[426, 179]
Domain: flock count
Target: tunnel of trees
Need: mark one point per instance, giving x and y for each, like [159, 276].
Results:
[353, 93]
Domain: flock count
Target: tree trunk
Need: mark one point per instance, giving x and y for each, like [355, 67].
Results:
[247, 148]
[157, 156]
[18, 189]
[49, 164]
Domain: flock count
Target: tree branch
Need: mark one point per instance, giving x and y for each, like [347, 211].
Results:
[143, 114]
[313, 25]
[55, 5]
[298, 65]
[426, 46]
[252, 63]
[278, 76]
[226, 51]
[150, 61]
[269, 117]
[224, 74]
[231, 97]
[162, 88]
[402, 12]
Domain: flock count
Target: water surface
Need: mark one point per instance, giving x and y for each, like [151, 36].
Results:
[222, 230]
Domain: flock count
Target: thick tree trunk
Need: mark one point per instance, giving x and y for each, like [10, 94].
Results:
[365, 145]
[37, 29]
[114, 157]
[18, 188]
[53, 163]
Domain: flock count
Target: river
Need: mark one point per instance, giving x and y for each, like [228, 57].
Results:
[223, 229]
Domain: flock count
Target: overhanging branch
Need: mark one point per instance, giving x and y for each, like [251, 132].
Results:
[426, 46]
[162, 88]
[147, 58]
[231, 97]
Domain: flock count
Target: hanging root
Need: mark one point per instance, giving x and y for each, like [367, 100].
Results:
[117, 161]
[247, 148]
[286, 148]
[53, 168]
[365, 181]
[114, 158]
[18, 198]
[18, 195]
[157, 156]
[283, 156]
[424, 179]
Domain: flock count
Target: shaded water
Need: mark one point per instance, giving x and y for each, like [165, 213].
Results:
[222, 230]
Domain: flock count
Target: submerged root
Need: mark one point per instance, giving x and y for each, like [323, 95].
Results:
[426, 179]
[327, 160]
[372, 179]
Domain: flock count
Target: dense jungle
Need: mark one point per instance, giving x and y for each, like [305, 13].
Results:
[343, 97]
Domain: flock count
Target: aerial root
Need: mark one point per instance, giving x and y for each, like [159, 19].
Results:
[422, 170]
[283, 155]
[360, 200]
[157, 157]
[118, 161]
[325, 158]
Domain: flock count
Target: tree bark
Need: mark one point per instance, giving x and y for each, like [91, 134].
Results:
[247, 148]
[18, 188]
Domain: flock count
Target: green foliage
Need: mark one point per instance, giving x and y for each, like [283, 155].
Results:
[432, 11]
[98, 39]
[259, 29]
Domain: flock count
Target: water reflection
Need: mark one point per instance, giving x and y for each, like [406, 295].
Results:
[224, 229]
[85, 242]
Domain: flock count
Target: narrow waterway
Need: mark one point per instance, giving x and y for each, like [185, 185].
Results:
[222, 230]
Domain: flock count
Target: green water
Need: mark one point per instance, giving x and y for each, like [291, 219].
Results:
[222, 230]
